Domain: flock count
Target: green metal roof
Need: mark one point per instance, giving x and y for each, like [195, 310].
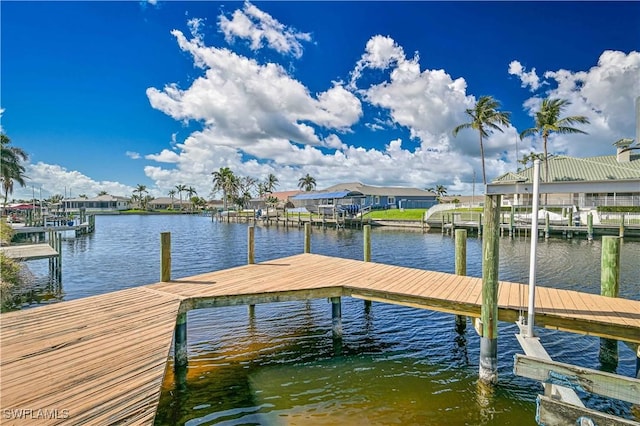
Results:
[563, 168]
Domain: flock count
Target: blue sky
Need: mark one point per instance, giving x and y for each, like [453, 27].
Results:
[108, 95]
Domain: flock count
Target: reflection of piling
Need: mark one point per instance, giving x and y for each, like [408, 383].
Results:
[547, 226]
[610, 287]
[590, 226]
[461, 269]
[251, 259]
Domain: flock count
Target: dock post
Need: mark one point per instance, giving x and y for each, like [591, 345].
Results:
[461, 269]
[590, 226]
[621, 234]
[251, 259]
[165, 256]
[180, 338]
[336, 317]
[479, 224]
[489, 312]
[307, 237]
[511, 220]
[610, 287]
[547, 226]
[367, 257]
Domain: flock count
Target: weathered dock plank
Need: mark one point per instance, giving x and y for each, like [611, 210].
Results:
[101, 359]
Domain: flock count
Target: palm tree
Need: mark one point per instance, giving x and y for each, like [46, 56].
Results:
[172, 195]
[271, 183]
[190, 192]
[548, 120]
[140, 190]
[307, 183]
[181, 189]
[10, 168]
[485, 118]
[262, 189]
[224, 180]
[102, 193]
[531, 157]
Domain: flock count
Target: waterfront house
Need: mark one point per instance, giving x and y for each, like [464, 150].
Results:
[100, 204]
[624, 165]
[361, 195]
[167, 203]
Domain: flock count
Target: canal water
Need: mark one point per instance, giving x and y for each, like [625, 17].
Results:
[396, 365]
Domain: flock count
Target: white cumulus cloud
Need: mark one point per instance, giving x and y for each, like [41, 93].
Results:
[529, 79]
[260, 28]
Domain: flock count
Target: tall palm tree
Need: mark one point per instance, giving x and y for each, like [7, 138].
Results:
[181, 189]
[548, 120]
[307, 183]
[271, 182]
[485, 118]
[102, 193]
[172, 195]
[224, 180]
[262, 189]
[10, 168]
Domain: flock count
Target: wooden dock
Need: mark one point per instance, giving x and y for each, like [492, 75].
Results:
[29, 251]
[102, 359]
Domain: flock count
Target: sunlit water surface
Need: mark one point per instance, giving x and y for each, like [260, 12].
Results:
[395, 365]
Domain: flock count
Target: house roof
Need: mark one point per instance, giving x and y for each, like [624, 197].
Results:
[564, 168]
[394, 191]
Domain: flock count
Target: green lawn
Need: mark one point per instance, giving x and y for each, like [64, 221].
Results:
[396, 214]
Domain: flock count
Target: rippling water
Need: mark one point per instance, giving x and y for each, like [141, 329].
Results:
[395, 365]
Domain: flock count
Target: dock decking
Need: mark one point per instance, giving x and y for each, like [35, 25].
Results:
[101, 359]
[29, 251]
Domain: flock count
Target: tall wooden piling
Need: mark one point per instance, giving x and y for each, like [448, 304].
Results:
[165, 256]
[251, 258]
[610, 287]
[621, 233]
[590, 226]
[489, 312]
[461, 269]
[307, 237]
[479, 224]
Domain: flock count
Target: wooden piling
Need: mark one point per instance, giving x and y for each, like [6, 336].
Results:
[590, 226]
[251, 258]
[512, 220]
[367, 257]
[336, 317]
[479, 224]
[610, 287]
[621, 233]
[367, 243]
[488, 371]
[307, 237]
[610, 266]
[461, 269]
[180, 341]
[165, 256]
[547, 226]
